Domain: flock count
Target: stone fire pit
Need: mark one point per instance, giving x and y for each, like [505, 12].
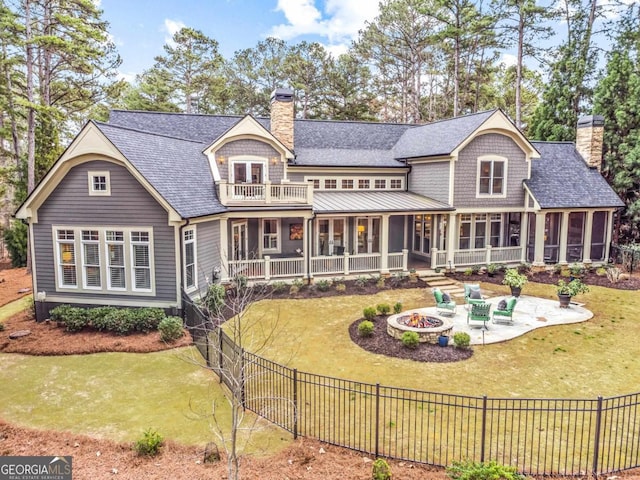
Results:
[427, 325]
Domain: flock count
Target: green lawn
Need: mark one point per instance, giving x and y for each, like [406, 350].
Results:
[599, 357]
[118, 396]
[10, 309]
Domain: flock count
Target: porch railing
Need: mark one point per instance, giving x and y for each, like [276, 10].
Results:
[478, 256]
[265, 193]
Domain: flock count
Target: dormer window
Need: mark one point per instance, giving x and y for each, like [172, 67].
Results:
[492, 176]
[99, 183]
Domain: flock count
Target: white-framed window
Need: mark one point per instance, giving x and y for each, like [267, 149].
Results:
[330, 184]
[189, 245]
[395, 183]
[99, 183]
[492, 176]
[110, 259]
[116, 276]
[355, 183]
[247, 170]
[66, 247]
[316, 183]
[270, 235]
[380, 183]
[495, 229]
[347, 183]
[364, 184]
[91, 276]
[465, 232]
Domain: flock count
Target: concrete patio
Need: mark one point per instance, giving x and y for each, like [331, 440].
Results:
[530, 313]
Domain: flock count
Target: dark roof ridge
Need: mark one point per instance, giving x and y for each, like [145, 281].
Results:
[483, 112]
[156, 112]
[561, 142]
[146, 132]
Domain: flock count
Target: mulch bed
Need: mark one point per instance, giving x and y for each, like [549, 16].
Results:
[384, 344]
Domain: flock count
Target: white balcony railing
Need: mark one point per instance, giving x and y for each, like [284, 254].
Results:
[265, 193]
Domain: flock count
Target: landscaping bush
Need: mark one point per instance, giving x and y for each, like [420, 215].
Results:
[369, 313]
[341, 287]
[294, 289]
[149, 444]
[397, 307]
[410, 339]
[461, 339]
[365, 328]
[380, 282]
[58, 313]
[323, 285]
[383, 308]
[278, 286]
[121, 321]
[492, 470]
[170, 329]
[147, 319]
[75, 319]
[99, 317]
[381, 470]
[361, 282]
[297, 282]
[215, 297]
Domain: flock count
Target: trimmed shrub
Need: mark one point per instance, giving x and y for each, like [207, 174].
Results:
[461, 339]
[380, 282]
[381, 470]
[147, 319]
[57, 314]
[369, 313]
[365, 328]
[323, 285]
[278, 286]
[491, 470]
[99, 317]
[383, 308]
[297, 282]
[75, 319]
[410, 339]
[361, 282]
[215, 297]
[149, 444]
[170, 329]
[397, 307]
[121, 321]
[341, 287]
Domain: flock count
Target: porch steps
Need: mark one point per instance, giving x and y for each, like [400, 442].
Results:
[445, 284]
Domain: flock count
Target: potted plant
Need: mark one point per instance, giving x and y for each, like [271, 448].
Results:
[413, 276]
[567, 290]
[492, 268]
[515, 280]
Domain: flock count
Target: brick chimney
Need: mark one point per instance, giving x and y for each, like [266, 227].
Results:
[282, 116]
[589, 138]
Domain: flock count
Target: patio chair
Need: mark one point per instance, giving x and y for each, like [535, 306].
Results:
[506, 315]
[479, 312]
[472, 294]
[444, 307]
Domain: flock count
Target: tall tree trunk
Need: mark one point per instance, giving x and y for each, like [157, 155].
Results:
[519, 60]
[31, 115]
[15, 139]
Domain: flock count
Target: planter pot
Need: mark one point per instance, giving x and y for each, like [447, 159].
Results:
[565, 300]
[515, 291]
[413, 277]
[443, 340]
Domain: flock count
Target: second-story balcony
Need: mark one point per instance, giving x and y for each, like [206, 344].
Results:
[268, 193]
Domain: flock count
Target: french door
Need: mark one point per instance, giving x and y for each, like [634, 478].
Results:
[240, 242]
[368, 235]
[330, 239]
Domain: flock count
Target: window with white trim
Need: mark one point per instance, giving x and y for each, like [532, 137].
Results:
[91, 275]
[189, 239]
[110, 259]
[141, 260]
[480, 230]
[270, 235]
[67, 276]
[347, 184]
[364, 183]
[99, 183]
[316, 183]
[330, 184]
[116, 277]
[395, 183]
[465, 232]
[495, 232]
[491, 177]
[380, 183]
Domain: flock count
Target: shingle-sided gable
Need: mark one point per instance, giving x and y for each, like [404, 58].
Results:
[560, 178]
[176, 168]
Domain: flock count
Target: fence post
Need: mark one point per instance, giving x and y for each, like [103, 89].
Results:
[596, 442]
[267, 267]
[346, 263]
[242, 377]
[377, 417]
[295, 403]
[484, 427]
[220, 356]
[207, 360]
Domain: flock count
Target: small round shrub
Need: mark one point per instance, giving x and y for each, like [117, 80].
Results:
[381, 470]
[215, 297]
[323, 285]
[380, 282]
[294, 289]
[397, 307]
[383, 308]
[121, 321]
[98, 317]
[365, 328]
[75, 319]
[170, 329]
[149, 444]
[601, 271]
[341, 287]
[410, 339]
[369, 313]
[468, 470]
[58, 313]
[278, 286]
[461, 339]
[147, 319]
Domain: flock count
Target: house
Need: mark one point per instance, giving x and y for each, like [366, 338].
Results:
[145, 206]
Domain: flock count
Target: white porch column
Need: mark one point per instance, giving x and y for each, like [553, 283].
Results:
[434, 257]
[306, 247]
[405, 260]
[224, 249]
[564, 233]
[524, 236]
[452, 239]
[609, 230]
[538, 258]
[406, 235]
[487, 259]
[586, 240]
[384, 245]
[267, 268]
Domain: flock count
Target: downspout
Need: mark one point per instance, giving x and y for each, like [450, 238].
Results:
[308, 246]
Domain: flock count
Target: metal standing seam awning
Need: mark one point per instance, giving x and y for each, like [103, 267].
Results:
[374, 202]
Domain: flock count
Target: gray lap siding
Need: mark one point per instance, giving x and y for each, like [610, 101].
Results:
[129, 205]
[209, 253]
[430, 180]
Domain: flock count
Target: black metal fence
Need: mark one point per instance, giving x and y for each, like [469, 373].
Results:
[626, 256]
[537, 436]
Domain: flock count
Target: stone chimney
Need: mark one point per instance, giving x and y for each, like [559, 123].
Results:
[589, 138]
[282, 116]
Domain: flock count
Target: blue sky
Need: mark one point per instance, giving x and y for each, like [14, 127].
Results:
[141, 27]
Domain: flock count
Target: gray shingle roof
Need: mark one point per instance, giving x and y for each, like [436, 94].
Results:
[374, 201]
[177, 169]
[560, 178]
[438, 138]
[334, 157]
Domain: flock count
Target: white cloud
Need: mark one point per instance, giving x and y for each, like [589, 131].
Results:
[128, 76]
[339, 22]
[171, 27]
[508, 59]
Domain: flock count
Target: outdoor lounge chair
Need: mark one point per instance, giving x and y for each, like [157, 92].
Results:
[469, 288]
[443, 308]
[479, 312]
[506, 315]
